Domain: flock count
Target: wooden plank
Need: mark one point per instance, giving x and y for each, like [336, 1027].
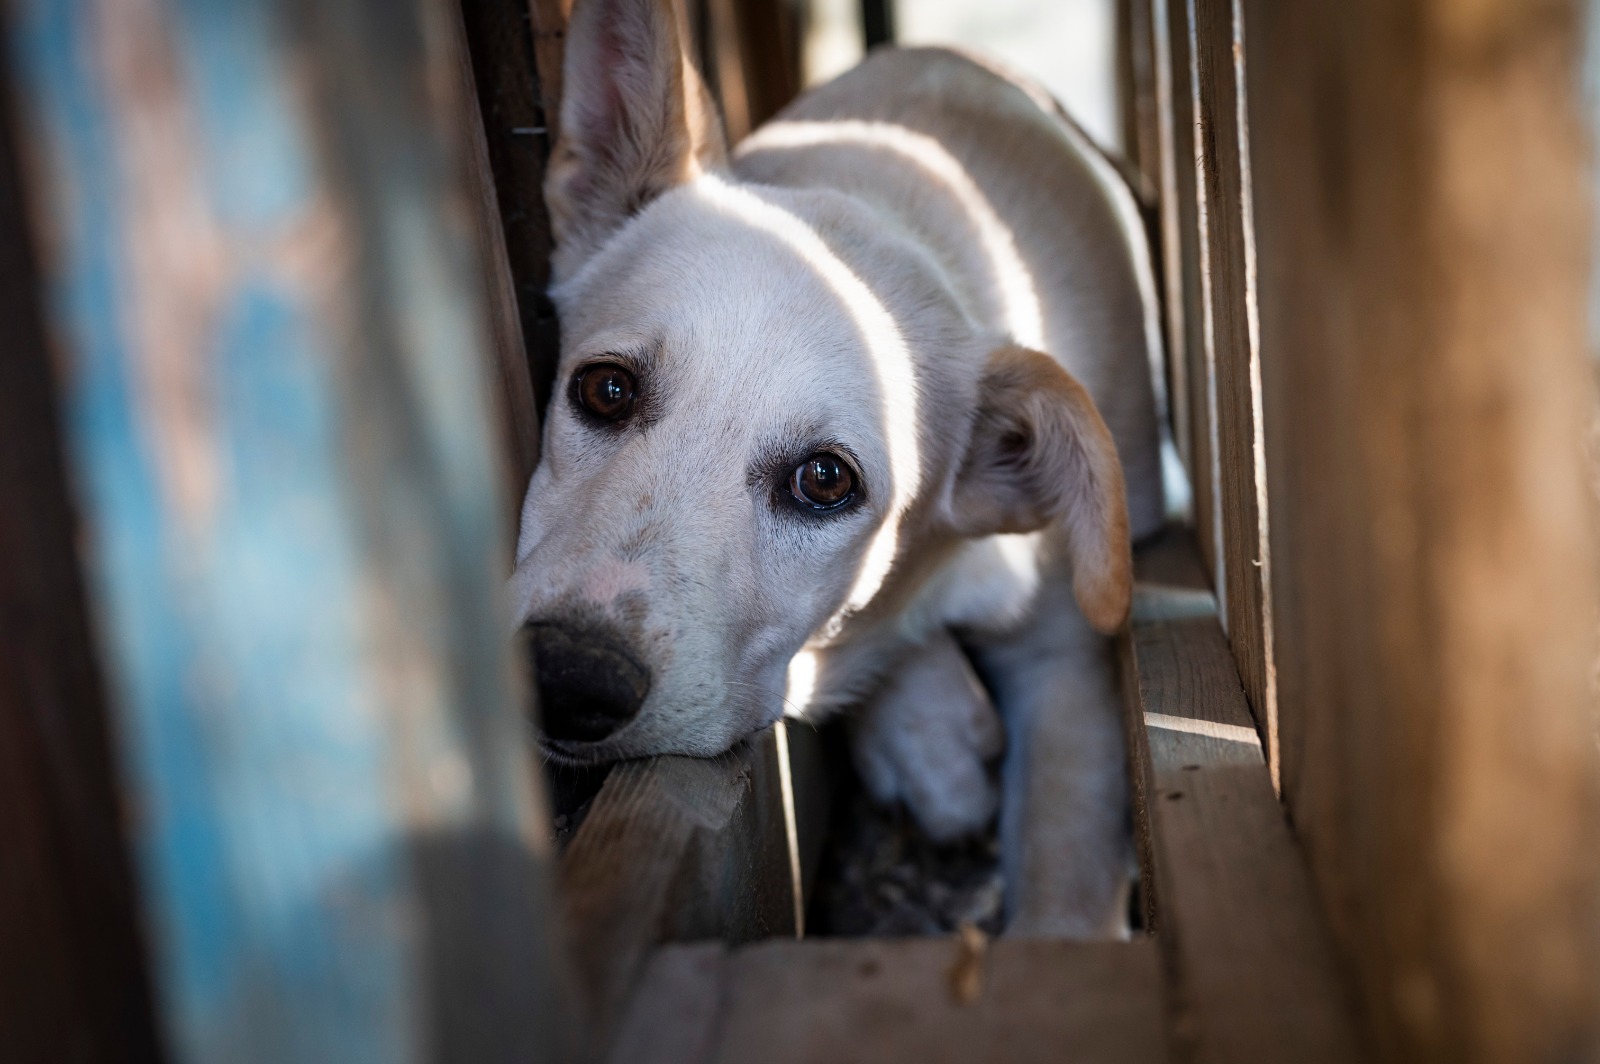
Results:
[1255, 972]
[727, 77]
[512, 389]
[771, 48]
[516, 49]
[877, 23]
[751, 59]
[678, 848]
[548, 19]
[1251, 966]
[1139, 98]
[939, 1001]
[73, 980]
[1227, 273]
[675, 1014]
[1422, 202]
[1182, 237]
[260, 273]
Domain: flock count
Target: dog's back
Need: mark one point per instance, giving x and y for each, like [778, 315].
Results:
[1033, 229]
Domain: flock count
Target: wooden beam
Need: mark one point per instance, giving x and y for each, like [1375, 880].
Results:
[676, 849]
[1423, 198]
[260, 271]
[1252, 973]
[73, 983]
[940, 1001]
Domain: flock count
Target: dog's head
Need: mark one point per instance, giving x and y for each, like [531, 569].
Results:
[770, 419]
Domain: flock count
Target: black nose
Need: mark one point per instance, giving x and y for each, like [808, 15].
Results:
[588, 685]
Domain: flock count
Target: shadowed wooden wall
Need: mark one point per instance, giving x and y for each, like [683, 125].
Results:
[1379, 212]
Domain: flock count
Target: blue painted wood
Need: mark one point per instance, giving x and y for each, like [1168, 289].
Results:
[262, 283]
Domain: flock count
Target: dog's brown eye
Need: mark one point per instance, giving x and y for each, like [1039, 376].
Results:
[823, 482]
[606, 391]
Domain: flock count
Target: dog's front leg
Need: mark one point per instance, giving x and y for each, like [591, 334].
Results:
[927, 740]
[1063, 822]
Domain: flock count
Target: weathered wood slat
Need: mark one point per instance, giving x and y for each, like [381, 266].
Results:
[515, 48]
[928, 1000]
[259, 262]
[1184, 207]
[675, 849]
[512, 382]
[549, 22]
[73, 985]
[751, 60]
[1139, 98]
[1227, 272]
[1423, 198]
[1164, 164]
[1252, 974]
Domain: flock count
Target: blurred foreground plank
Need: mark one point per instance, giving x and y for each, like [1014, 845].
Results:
[260, 266]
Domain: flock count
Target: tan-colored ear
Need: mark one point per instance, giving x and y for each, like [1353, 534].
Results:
[636, 120]
[1040, 454]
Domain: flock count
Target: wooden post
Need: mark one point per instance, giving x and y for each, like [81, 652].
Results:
[1422, 221]
[515, 49]
[269, 312]
[512, 387]
[1189, 210]
[1226, 267]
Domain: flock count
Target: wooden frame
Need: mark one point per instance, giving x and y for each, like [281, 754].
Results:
[1383, 615]
[1241, 965]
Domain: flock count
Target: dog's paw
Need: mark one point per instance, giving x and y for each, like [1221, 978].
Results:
[928, 739]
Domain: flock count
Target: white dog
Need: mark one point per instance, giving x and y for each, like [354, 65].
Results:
[805, 429]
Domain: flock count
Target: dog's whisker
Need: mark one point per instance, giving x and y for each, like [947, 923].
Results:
[798, 710]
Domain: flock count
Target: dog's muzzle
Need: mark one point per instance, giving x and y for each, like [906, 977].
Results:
[588, 685]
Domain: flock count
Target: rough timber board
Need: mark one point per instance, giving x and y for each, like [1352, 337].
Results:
[878, 1001]
[1251, 969]
[1227, 263]
[1423, 192]
[676, 848]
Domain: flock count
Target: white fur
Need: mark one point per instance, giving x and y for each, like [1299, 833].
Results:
[845, 282]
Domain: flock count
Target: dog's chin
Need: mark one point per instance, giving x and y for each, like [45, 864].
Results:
[577, 755]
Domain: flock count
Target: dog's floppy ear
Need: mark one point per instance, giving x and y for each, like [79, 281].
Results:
[1040, 454]
[636, 120]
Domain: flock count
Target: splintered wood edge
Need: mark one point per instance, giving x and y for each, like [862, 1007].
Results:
[1252, 970]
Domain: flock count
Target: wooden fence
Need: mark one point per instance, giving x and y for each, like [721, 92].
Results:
[1375, 222]
[275, 299]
